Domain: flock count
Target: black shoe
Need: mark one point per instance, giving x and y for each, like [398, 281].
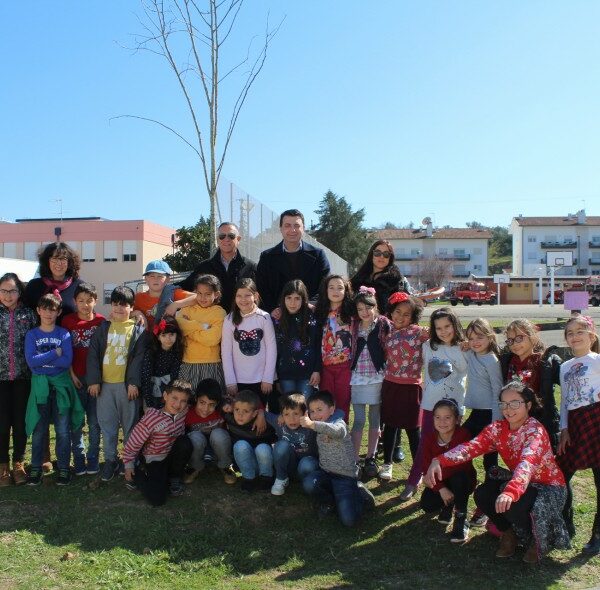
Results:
[445, 515]
[64, 477]
[371, 469]
[131, 485]
[35, 477]
[325, 510]
[264, 483]
[368, 499]
[398, 455]
[460, 529]
[592, 547]
[248, 485]
[176, 487]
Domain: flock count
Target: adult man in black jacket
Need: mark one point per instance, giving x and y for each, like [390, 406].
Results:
[227, 264]
[290, 259]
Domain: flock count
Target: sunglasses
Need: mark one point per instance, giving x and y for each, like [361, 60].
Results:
[378, 253]
[231, 236]
[514, 404]
[516, 340]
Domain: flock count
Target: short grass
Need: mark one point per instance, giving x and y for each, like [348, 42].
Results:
[93, 535]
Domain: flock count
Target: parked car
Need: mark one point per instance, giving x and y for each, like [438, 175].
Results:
[473, 292]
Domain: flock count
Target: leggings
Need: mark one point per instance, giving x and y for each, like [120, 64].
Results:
[13, 402]
[568, 509]
[390, 434]
[459, 484]
[360, 416]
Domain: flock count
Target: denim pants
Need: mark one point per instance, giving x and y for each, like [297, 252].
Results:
[296, 386]
[77, 441]
[339, 490]
[218, 441]
[253, 461]
[287, 463]
[62, 427]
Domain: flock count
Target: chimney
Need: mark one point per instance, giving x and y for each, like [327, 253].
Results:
[581, 217]
[429, 229]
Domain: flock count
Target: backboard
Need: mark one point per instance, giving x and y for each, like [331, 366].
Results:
[559, 258]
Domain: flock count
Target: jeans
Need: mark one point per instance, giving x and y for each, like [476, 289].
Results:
[338, 490]
[296, 386]
[77, 441]
[253, 461]
[13, 402]
[287, 463]
[62, 427]
[218, 440]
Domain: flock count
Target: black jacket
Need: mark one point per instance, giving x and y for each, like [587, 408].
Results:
[385, 283]
[239, 268]
[274, 271]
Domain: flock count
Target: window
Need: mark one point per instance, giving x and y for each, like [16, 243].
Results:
[414, 252]
[532, 239]
[129, 250]
[110, 251]
[459, 251]
[477, 267]
[596, 239]
[443, 252]
[108, 289]
[76, 246]
[596, 272]
[10, 250]
[30, 250]
[88, 251]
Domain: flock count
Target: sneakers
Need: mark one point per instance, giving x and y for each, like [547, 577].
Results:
[370, 468]
[479, 519]
[19, 475]
[445, 515]
[385, 472]
[408, 492]
[109, 470]
[229, 475]
[176, 488]
[367, 498]
[398, 455]
[460, 529]
[93, 467]
[279, 486]
[80, 468]
[64, 477]
[5, 479]
[191, 477]
[248, 485]
[35, 476]
[131, 485]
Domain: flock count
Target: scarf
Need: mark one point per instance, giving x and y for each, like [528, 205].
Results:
[56, 287]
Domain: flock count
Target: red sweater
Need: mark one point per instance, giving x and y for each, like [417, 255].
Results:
[81, 334]
[432, 449]
[526, 452]
[206, 425]
[153, 435]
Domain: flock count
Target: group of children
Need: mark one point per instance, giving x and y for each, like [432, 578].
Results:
[203, 383]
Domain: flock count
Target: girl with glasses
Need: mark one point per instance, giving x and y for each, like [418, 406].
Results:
[524, 502]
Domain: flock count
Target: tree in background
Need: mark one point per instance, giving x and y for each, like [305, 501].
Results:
[192, 245]
[432, 272]
[340, 229]
[190, 35]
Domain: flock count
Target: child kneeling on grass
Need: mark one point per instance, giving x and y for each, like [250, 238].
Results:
[335, 485]
[206, 430]
[163, 448]
[251, 443]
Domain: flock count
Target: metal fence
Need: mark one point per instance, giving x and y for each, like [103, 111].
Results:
[259, 225]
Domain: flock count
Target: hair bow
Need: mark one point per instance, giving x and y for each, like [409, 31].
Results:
[589, 321]
[369, 290]
[160, 327]
[398, 297]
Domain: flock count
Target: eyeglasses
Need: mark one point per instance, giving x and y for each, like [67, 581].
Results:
[378, 253]
[9, 291]
[61, 259]
[514, 404]
[231, 236]
[516, 340]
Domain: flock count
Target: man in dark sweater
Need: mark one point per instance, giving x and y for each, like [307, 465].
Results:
[227, 264]
[291, 259]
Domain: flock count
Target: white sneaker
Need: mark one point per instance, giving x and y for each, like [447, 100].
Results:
[385, 472]
[278, 488]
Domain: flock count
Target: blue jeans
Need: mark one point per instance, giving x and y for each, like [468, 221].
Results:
[253, 461]
[287, 463]
[62, 427]
[77, 442]
[296, 386]
[338, 490]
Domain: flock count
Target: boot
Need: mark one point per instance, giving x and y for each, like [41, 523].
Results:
[19, 475]
[508, 544]
[592, 547]
[531, 555]
[4, 475]
[460, 528]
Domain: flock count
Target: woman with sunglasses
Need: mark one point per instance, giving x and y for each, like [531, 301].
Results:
[526, 359]
[525, 502]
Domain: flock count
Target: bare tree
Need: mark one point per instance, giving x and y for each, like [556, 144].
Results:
[433, 272]
[190, 35]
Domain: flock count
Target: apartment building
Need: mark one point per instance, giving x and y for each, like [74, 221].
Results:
[112, 252]
[534, 238]
[465, 249]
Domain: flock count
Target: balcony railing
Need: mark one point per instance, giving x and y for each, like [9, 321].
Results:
[593, 244]
[408, 257]
[594, 260]
[559, 245]
[461, 273]
[453, 256]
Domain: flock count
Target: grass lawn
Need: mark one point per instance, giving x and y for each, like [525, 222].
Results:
[93, 535]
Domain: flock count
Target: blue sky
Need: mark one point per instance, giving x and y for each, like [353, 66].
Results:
[458, 110]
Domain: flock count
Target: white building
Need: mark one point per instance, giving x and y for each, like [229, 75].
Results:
[535, 237]
[465, 249]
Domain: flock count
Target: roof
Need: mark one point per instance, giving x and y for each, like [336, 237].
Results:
[556, 221]
[462, 233]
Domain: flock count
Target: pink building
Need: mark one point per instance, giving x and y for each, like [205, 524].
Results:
[112, 252]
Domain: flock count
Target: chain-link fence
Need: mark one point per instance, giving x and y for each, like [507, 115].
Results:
[259, 225]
